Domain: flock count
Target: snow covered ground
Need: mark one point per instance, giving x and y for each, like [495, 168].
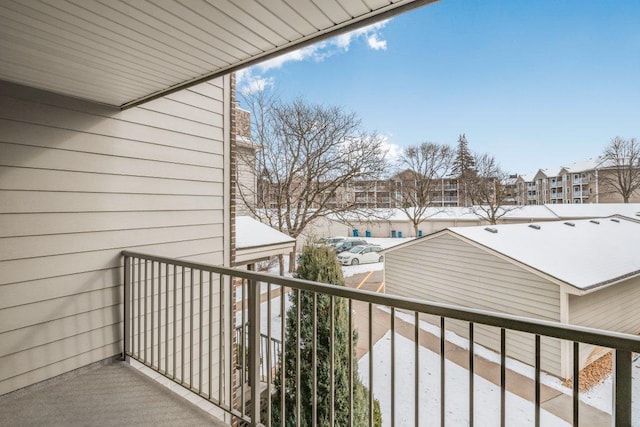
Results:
[275, 320]
[519, 411]
[485, 353]
[600, 396]
[352, 270]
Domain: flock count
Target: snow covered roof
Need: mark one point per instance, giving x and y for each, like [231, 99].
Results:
[531, 212]
[398, 215]
[251, 233]
[528, 177]
[552, 172]
[545, 212]
[256, 241]
[588, 210]
[585, 255]
[585, 165]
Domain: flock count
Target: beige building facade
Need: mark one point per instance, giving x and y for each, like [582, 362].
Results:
[80, 183]
[581, 182]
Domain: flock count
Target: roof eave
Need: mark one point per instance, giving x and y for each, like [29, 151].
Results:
[385, 12]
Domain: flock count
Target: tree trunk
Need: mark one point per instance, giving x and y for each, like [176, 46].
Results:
[415, 229]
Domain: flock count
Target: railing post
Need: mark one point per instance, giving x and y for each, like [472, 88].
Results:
[125, 308]
[622, 389]
[254, 349]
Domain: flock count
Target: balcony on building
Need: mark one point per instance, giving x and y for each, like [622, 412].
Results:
[119, 284]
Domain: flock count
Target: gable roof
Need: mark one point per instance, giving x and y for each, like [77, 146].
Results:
[552, 172]
[585, 165]
[585, 255]
[528, 177]
[121, 53]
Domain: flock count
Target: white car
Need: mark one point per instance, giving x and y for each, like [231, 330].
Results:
[361, 255]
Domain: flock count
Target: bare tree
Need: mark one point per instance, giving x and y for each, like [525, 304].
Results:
[488, 191]
[424, 167]
[307, 155]
[621, 167]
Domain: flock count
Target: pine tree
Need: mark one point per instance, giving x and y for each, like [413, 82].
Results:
[320, 264]
[463, 164]
[464, 167]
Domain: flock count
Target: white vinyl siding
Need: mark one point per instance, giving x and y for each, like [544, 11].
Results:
[80, 182]
[449, 270]
[614, 308]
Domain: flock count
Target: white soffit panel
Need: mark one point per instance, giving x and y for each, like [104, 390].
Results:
[123, 52]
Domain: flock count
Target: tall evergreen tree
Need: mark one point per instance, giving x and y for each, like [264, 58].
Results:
[464, 167]
[463, 163]
[320, 264]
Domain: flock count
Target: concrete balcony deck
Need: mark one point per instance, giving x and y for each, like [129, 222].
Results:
[107, 394]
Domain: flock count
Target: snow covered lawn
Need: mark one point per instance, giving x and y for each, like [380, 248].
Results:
[352, 270]
[519, 412]
[600, 396]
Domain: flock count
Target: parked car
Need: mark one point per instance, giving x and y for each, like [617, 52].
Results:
[329, 241]
[361, 254]
[347, 244]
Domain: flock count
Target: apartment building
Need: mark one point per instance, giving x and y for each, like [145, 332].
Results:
[389, 193]
[579, 182]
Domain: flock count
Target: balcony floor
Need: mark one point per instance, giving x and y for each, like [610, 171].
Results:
[102, 394]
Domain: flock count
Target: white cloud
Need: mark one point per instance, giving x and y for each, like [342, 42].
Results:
[247, 82]
[375, 43]
[370, 32]
[252, 79]
[293, 56]
[394, 151]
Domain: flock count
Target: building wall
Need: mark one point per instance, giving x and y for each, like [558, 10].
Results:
[614, 308]
[246, 179]
[448, 270]
[606, 194]
[80, 182]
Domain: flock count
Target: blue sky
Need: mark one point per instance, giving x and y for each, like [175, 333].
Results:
[534, 83]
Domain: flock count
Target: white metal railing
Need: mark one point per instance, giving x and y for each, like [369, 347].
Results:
[179, 320]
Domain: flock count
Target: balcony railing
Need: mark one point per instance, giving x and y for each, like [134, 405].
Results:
[180, 320]
[446, 199]
[268, 345]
